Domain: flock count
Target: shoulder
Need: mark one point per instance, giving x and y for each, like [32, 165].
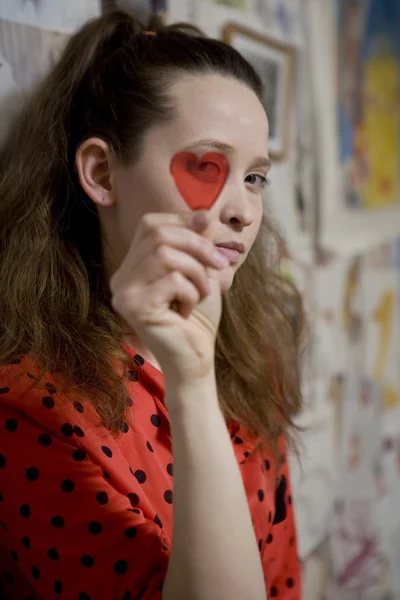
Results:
[29, 394]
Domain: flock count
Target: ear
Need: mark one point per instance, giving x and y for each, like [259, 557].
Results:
[94, 162]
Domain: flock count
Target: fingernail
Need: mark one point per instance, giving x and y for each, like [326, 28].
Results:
[220, 260]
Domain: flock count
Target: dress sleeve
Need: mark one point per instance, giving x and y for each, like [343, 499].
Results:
[286, 579]
[71, 531]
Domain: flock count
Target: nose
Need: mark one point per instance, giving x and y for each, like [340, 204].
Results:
[235, 206]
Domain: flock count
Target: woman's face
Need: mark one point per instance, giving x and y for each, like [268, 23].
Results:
[215, 114]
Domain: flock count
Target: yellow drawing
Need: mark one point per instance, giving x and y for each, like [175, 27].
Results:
[380, 129]
[352, 320]
[384, 317]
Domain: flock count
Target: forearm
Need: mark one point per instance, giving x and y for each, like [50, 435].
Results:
[214, 553]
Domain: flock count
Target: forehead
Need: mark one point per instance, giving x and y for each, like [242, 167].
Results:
[222, 108]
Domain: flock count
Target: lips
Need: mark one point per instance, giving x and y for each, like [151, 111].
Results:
[231, 250]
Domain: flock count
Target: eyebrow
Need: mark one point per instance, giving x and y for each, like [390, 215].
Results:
[260, 161]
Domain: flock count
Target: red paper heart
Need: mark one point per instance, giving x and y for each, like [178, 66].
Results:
[199, 180]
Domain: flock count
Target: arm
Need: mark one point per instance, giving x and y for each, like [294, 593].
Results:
[214, 551]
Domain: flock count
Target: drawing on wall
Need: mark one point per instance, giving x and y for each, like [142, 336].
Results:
[29, 51]
[274, 63]
[63, 15]
[359, 564]
[369, 107]
[236, 4]
[281, 17]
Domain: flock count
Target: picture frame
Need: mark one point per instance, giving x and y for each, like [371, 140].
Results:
[274, 62]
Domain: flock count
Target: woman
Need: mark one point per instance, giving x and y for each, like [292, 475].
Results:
[126, 406]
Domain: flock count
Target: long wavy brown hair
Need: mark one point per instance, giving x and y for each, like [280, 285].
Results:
[112, 81]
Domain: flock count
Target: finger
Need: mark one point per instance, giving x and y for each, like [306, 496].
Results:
[173, 289]
[196, 220]
[166, 259]
[182, 239]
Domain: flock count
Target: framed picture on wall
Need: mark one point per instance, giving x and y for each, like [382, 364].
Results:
[274, 62]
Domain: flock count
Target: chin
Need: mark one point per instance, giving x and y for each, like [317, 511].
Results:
[225, 279]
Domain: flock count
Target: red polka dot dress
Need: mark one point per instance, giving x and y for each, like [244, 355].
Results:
[88, 516]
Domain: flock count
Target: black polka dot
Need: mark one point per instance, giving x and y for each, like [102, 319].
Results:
[168, 497]
[52, 553]
[10, 578]
[57, 521]
[237, 440]
[11, 425]
[170, 469]
[58, 587]
[260, 495]
[269, 517]
[139, 360]
[130, 532]
[270, 539]
[45, 439]
[260, 545]
[107, 451]
[67, 486]
[140, 476]
[132, 471]
[1, 497]
[102, 498]
[4, 526]
[290, 499]
[125, 427]
[246, 454]
[4, 390]
[267, 464]
[95, 527]
[129, 402]
[30, 375]
[127, 595]
[134, 499]
[26, 542]
[48, 402]
[149, 446]
[87, 561]
[78, 406]
[120, 567]
[155, 420]
[158, 521]
[17, 361]
[14, 556]
[50, 388]
[79, 455]
[78, 431]
[35, 573]
[67, 429]
[25, 511]
[32, 474]
[84, 596]
[106, 475]
[3, 461]
[290, 582]
[274, 592]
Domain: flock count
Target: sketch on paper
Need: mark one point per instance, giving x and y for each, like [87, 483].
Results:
[274, 64]
[28, 51]
[63, 15]
[369, 107]
[359, 564]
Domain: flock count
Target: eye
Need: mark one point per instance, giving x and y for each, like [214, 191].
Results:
[257, 180]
